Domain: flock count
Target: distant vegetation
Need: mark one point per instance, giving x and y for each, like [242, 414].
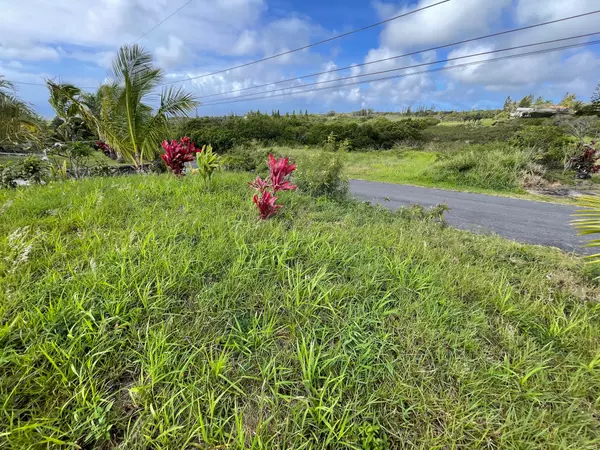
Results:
[224, 133]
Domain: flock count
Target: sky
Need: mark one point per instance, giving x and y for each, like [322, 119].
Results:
[75, 41]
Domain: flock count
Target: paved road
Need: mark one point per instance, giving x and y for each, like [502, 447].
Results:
[521, 220]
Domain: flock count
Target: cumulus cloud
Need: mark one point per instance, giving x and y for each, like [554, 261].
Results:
[440, 24]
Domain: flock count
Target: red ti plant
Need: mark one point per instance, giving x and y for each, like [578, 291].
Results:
[177, 153]
[106, 149]
[280, 170]
[278, 180]
[266, 204]
[584, 161]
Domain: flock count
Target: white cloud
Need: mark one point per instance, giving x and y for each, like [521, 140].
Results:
[440, 24]
[29, 53]
[172, 54]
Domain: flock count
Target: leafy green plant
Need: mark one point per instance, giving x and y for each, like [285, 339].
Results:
[550, 143]
[9, 174]
[34, 170]
[322, 174]
[124, 121]
[208, 163]
[589, 222]
[78, 155]
[59, 171]
[18, 122]
[492, 166]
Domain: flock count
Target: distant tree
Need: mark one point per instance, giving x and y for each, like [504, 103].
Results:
[287, 114]
[569, 101]
[596, 98]
[509, 105]
[306, 112]
[526, 102]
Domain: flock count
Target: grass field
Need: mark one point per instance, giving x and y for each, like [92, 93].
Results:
[95, 159]
[144, 312]
[414, 167]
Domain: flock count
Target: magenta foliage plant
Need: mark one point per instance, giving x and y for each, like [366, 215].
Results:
[177, 153]
[278, 180]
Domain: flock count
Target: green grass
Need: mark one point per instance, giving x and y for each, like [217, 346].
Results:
[426, 168]
[96, 159]
[143, 312]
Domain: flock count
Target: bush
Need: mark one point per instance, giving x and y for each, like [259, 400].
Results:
[501, 132]
[9, 174]
[321, 175]
[225, 133]
[245, 159]
[492, 166]
[550, 143]
[31, 169]
[34, 170]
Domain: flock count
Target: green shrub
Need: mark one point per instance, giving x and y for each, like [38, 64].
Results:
[9, 174]
[31, 169]
[245, 159]
[225, 133]
[320, 174]
[550, 143]
[34, 170]
[431, 121]
[501, 132]
[492, 166]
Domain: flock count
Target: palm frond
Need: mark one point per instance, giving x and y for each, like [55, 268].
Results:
[589, 222]
[176, 102]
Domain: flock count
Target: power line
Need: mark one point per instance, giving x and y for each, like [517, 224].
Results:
[163, 21]
[438, 69]
[309, 45]
[402, 56]
[412, 66]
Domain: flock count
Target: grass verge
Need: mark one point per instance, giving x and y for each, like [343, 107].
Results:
[144, 312]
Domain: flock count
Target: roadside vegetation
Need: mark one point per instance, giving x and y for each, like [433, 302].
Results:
[209, 283]
[146, 311]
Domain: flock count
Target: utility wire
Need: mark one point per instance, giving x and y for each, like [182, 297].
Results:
[309, 45]
[402, 56]
[438, 69]
[163, 21]
[411, 66]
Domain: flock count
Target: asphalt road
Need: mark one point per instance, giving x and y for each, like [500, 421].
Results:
[520, 220]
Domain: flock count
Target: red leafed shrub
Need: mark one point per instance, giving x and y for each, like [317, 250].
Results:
[106, 149]
[266, 204]
[584, 162]
[278, 180]
[280, 169]
[177, 153]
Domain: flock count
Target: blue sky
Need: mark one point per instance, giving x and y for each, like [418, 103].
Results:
[75, 41]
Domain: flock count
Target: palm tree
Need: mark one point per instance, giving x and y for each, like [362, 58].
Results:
[120, 112]
[18, 122]
[589, 223]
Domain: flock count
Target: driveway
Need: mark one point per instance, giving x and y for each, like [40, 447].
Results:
[520, 220]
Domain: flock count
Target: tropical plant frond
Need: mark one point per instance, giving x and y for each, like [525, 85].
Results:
[589, 222]
[175, 101]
